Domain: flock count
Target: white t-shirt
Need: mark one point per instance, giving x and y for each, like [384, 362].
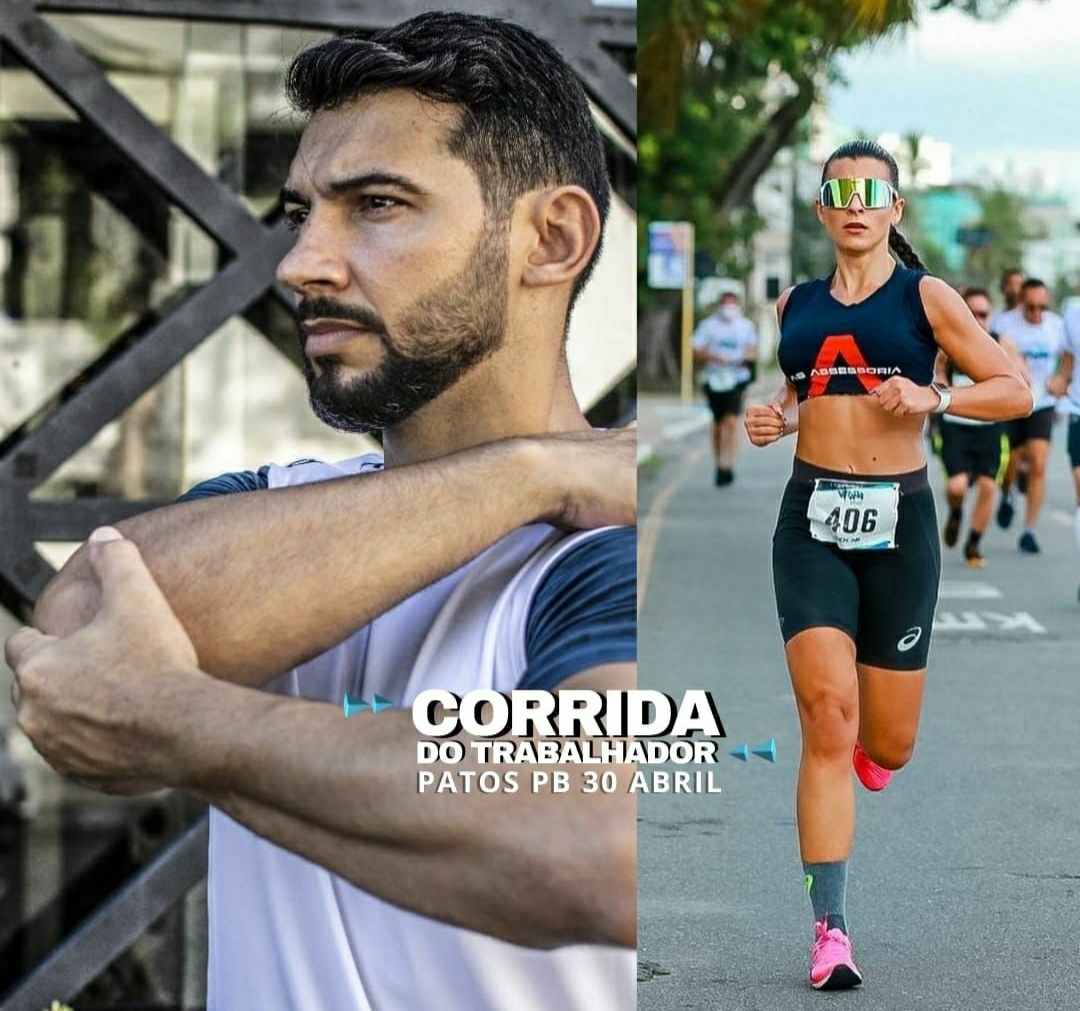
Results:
[999, 319]
[1041, 345]
[734, 339]
[288, 935]
[1070, 403]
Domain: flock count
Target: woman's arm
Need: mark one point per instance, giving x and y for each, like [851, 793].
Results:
[999, 391]
[768, 423]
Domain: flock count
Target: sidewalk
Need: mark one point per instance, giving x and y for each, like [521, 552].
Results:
[663, 418]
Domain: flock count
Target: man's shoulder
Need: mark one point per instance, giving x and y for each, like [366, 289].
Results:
[611, 545]
[270, 475]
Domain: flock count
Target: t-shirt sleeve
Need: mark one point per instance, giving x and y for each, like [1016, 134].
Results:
[1072, 331]
[585, 611]
[702, 335]
[751, 336]
[226, 484]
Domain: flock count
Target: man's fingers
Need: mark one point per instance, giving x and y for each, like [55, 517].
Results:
[122, 572]
[21, 643]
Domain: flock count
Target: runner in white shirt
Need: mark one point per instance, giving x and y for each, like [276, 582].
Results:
[1039, 335]
[970, 449]
[1066, 384]
[727, 342]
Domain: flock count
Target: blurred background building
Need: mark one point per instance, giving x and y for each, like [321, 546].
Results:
[144, 346]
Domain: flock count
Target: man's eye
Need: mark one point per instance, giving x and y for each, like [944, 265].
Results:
[295, 217]
[377, 203]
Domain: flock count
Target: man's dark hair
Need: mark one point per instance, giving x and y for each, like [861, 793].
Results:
[1031, 282]
[975, 291]
[524, 122]
[870, 149]
[1009, 272]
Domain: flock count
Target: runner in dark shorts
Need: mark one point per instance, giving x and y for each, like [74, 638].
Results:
[971, 450]
[856, 553]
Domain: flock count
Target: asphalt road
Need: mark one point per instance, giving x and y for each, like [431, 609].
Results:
[964, 889]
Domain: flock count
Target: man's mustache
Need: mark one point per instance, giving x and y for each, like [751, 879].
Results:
[329, 308]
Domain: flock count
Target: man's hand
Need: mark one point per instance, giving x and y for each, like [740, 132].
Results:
[1057, 385]
[765, 423]
[90, 702]
[901, 396]
[594, 477]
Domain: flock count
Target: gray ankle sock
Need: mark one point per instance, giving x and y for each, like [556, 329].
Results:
[826, 884]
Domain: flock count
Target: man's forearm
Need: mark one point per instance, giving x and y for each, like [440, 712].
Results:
[265, 580]
[531, 868]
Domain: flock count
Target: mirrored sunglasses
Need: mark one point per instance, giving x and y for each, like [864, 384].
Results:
[873, 194]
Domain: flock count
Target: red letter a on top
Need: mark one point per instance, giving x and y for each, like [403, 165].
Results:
[840, 346]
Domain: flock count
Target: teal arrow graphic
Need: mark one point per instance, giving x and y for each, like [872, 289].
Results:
[355, 705]
[766, 750]
[742, 752]
[378, 704]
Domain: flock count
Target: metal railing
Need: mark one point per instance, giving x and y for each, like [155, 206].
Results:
[591, 37]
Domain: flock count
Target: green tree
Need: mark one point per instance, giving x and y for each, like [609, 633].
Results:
[1001, 214]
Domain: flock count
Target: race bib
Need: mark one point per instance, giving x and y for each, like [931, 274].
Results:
[854, 515]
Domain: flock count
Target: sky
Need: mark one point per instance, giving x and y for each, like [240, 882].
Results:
[1005, 94]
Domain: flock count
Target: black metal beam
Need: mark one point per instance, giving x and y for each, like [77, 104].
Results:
[115, 927]
[613, 26]
[80, 83]
[107, 394]
[74, 519]
[577, 28]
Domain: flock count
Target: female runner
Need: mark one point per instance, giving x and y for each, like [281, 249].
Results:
[856, 557]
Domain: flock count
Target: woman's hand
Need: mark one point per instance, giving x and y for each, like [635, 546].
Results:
[901, 396]
[765, 423]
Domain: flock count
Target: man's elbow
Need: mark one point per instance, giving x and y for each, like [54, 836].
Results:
[66, 605]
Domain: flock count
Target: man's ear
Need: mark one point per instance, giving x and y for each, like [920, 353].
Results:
[566, 231]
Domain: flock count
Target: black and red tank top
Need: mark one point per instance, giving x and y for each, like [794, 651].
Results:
[831, 349]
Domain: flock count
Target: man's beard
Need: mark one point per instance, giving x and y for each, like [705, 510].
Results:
[440, 338]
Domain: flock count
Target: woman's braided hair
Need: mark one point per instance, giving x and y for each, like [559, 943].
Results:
[869, 149]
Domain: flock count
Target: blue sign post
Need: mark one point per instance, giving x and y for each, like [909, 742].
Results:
[670, 265]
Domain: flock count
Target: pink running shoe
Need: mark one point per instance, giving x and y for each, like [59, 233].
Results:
[870, 774]
[831, 964]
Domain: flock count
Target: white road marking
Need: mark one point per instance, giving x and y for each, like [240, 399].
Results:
[987, 621]
[959, 589]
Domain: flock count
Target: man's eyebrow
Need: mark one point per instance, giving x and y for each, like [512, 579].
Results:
[288, 196]
[342, 187]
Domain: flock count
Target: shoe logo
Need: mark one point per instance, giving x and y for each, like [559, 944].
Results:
[911, 637]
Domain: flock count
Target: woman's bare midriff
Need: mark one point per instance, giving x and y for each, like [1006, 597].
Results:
[856, 435]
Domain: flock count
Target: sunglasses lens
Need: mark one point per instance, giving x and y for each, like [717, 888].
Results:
[878, 193]
[873, 194]
[837, 192]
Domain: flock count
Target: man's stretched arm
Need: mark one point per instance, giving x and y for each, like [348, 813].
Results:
[122, 700]
[537, 869]
[265, 580]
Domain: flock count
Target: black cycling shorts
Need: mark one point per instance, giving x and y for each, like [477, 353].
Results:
[1073, 444]
[885, 599]
[726, 402]
[1036, 425]
[970, 449]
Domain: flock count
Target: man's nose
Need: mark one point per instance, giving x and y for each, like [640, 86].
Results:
[317, 261]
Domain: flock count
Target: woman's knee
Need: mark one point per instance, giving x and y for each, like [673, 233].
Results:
[830, 723]
[891, 748]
